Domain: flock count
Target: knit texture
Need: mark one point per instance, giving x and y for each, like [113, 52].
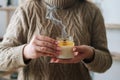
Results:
[61, 3]
[83, 21]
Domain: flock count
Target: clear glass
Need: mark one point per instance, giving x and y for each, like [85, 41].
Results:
[66, 45]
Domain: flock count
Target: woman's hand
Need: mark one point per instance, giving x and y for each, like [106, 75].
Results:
[40, 46]
[81, 53]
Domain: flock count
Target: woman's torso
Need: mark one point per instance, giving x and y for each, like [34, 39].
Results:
[77, 25]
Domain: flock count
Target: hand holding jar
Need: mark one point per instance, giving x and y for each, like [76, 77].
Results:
[41, 46]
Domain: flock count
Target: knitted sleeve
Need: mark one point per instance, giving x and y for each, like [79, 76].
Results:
[102, 60]
[11, 48]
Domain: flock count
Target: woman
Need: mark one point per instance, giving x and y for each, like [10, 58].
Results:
[25, 47]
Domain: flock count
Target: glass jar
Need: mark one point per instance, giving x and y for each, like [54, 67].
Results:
[66, 45]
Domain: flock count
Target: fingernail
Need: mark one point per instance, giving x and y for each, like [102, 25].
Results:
[56, 61]
[56, 42]
[58, 48]
[74, 49]
[52, 60]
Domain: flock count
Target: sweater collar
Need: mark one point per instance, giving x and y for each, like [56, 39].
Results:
[61, 3]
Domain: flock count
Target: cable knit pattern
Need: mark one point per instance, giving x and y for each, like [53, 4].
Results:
[61, 3]
[83, 21]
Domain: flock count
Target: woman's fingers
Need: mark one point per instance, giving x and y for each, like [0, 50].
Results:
[45, 38]
[76, 59]
[80, 53]
[46, 50]
[78, 56]
[78, 48]
[41, 46]
[46, 44]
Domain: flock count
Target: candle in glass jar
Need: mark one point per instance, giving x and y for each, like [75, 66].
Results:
[66, 49]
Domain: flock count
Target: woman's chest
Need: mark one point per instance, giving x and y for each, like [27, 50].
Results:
[53, 26]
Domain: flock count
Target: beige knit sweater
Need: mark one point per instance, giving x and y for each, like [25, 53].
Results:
[83, 21]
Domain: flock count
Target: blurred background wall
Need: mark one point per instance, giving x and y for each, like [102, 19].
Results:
[111, 12]
[3, 13]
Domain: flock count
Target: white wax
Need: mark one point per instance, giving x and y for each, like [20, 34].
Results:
[66, 52]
